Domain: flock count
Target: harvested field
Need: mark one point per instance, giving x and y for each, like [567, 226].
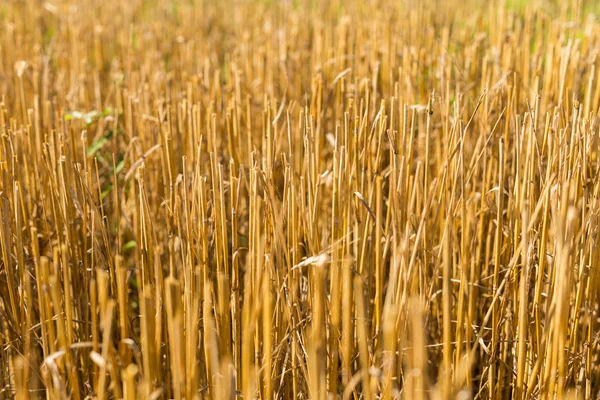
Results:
[299, 199]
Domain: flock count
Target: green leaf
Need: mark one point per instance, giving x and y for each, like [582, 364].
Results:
[97, 145]
[101, 159]
[106, 191]
[120, 166]
[130, 245]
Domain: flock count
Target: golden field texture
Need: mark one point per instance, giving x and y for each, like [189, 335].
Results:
[299, 199]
